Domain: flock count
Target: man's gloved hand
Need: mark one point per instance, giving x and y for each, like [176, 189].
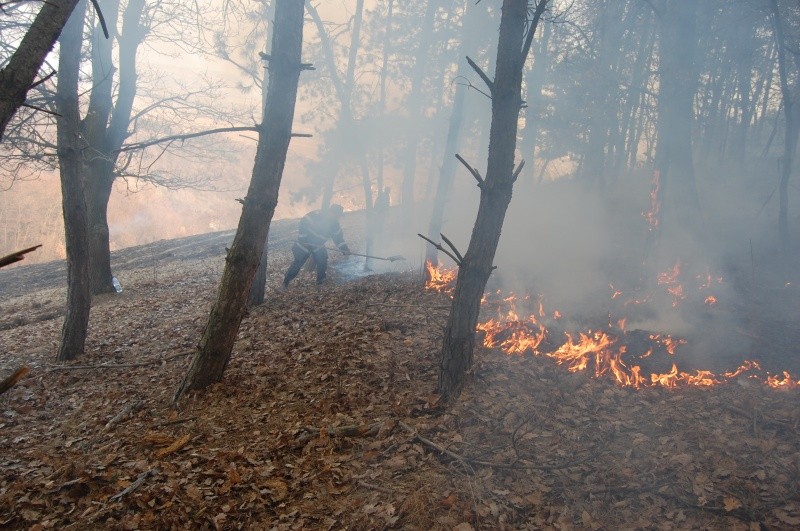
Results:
[345, 249]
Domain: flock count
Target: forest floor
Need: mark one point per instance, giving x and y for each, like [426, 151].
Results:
[327, 417]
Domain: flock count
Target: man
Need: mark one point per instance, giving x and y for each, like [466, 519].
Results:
[316, 228]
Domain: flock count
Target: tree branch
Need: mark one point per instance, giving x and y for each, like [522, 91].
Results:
[16, 257]
[482, 74]
[188, 136]
[439, 246]
[516, 172]
[537, 15]
[472, 170]
[453, 247]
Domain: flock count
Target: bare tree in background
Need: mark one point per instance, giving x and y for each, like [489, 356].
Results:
[517, 27]
[70, 146]
[17, 77]
[788, 68]
[216, 345]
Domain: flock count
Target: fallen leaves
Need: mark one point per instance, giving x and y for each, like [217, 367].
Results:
[307, 428]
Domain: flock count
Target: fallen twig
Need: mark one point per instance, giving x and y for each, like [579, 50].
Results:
[354, 430]
[116, 365]
[12, 380]
[427, 442]
[172, 422]
[127, 410]
[519, 465]
[375, 487]
[174, 447]
[130, 488]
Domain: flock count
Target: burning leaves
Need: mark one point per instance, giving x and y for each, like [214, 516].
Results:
[616, 354]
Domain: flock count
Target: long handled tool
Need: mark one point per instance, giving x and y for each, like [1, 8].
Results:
[393, 258]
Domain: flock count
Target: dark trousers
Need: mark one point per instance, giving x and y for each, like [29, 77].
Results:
[301, 254]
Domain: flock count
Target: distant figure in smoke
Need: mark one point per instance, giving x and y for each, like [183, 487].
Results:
[315, 229]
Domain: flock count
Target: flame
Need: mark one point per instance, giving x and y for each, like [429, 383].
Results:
[655, 202]
[439, 278]
[776, 383]
[514, 334]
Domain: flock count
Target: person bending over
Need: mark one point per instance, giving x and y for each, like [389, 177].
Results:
[315, 229]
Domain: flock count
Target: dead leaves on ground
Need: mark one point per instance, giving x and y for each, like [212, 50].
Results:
[305, 431]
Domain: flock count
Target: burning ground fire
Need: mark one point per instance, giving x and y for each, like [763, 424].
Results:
[605, 351]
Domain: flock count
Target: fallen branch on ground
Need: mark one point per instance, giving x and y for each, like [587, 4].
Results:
[354, 430]
[127, 410]
[130, 488]
[12, 380]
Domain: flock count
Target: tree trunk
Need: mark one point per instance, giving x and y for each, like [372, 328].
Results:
[447, 172]
[20, 71]
[216, 345]
[259, 286]
[106, 127]
[677, 80]
[414, 106]
[76, 321]
[791, 111]
[476, 266]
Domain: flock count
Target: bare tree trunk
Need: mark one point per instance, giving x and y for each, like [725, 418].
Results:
[448, 167]
[76, 321]
[105, 129]
[677, 81]
[259, 286]
[18, 75]
[216, 345]
[496, 188]
[791, 111]
[414, 105]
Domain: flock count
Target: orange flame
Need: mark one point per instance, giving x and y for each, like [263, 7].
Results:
[655, 202]
[439, 278]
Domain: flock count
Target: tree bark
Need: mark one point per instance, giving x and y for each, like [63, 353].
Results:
[476, 266]
[106, 128]
[76, 321]
[677, 81]
[216, 345]
[18, 75]
[791, 111]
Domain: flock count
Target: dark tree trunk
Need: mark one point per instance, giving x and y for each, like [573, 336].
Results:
[216, 345]
[677, 80]
[19, 73]
[106, 127]
[791, 111]
[476, 266]
[76, 321]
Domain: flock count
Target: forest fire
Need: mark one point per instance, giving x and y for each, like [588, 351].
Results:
[439, 278]
[608, 354]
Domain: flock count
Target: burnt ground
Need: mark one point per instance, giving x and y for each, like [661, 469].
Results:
[326, 418]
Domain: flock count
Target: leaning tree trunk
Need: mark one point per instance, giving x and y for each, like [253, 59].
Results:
[476, 265]
[16, 78]
[76, 321]
[216, 345]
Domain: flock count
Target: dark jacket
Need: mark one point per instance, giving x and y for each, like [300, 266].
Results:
[317, 227]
